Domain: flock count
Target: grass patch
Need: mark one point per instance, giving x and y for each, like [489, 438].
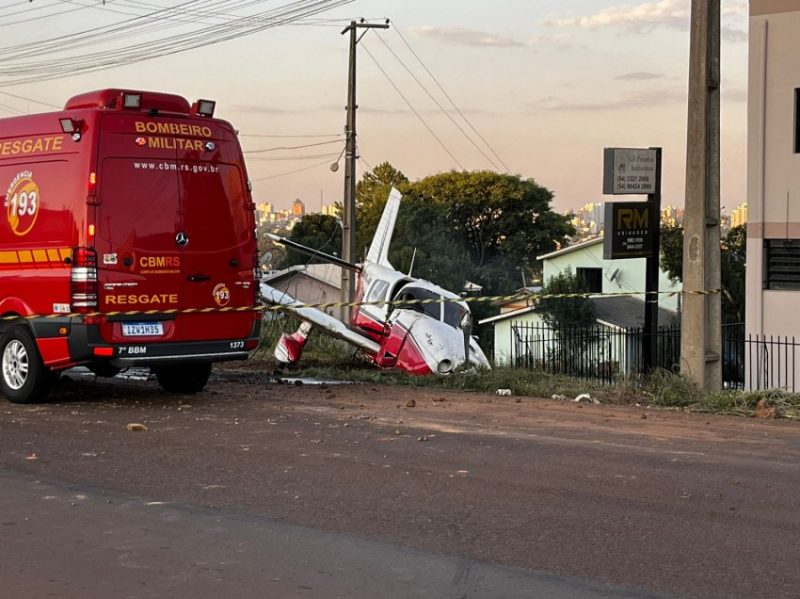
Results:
[327, 358]
[660, 390]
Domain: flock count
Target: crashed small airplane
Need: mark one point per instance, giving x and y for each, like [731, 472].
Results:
[420, 339]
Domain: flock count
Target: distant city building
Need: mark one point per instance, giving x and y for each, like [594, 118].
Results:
[330, 210]
[589, 220]
[672, 216]
[739, 215]
[298, 208]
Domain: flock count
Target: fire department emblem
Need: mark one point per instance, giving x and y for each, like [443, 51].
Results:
[221, 294]
[22, 203]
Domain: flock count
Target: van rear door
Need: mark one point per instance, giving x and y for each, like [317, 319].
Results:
[137, 218]
[175, 229]
[217, 220]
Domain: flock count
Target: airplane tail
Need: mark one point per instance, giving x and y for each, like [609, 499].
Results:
[379, 250]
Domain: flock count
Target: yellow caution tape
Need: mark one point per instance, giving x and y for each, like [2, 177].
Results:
[531, 297]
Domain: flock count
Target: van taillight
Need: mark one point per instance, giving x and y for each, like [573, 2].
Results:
[83, 280]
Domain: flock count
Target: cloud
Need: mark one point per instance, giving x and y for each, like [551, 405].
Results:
[645, 98]
[640, 18]
[648, 16]
[736, 94]
[635, 99]
[559, 41]
[639, 76]
[256, 109]
[729, 34]
[462, 36]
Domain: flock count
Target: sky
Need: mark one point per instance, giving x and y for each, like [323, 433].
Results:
[547, 83]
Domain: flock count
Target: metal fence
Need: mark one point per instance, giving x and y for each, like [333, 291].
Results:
[597, 353]
[603, 354]
[759, 361]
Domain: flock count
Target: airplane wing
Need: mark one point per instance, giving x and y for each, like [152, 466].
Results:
[330, 325]
[313, 253]
[379, 250]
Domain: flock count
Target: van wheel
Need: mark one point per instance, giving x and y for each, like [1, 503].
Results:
[183, 378]
[23, 376]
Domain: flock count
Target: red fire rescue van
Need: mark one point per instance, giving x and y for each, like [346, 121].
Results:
[129, 224]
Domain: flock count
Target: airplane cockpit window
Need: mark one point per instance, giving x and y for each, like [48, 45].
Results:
[451, 313]
[454, 314]
[378, 292]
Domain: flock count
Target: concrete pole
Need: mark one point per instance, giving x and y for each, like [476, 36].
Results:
[349, 202]
[701, 331]
[351, 149]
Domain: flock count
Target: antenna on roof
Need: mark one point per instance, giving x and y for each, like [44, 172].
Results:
[413, 257]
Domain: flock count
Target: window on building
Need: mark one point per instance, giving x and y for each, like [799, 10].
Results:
[782, 264]
[797, 121]
[591, 278]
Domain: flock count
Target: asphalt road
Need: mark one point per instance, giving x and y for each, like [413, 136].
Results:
[253, 489]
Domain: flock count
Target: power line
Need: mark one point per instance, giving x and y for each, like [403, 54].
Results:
[275, 135]
[299, 170]
[439, 105]
[452, 102]
[285, 158]
[414, 110]
[277, 148]
[18, 97]
[21, 69]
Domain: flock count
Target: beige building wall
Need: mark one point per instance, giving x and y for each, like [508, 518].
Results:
[773, 188]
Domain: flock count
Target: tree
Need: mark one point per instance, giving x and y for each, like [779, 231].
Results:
[733, 247]
[734, 254]
[371, 195]
[497, 215]
[672, 252]
[317, 231]
[465, 226]
[566, 312]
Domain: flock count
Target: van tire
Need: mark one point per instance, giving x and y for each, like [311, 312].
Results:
[23, 376]
[183, 378]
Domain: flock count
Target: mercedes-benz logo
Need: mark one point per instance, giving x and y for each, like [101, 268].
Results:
[182, 239]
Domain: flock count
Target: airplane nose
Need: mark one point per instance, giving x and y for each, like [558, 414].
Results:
[445, 366]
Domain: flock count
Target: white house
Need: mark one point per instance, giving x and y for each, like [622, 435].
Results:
[614, 314]
[585, 259]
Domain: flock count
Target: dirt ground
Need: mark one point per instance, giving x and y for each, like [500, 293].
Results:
[674, 503]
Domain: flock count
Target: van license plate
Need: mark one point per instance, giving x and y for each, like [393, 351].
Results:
[142, 329]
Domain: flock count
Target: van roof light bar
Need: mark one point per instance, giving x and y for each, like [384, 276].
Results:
[132, 101]
[68, 125]
[205, 107]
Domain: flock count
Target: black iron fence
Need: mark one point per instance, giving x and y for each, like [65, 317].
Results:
[603, 354]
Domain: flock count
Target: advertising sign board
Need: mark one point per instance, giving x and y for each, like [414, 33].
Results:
[629, 171]
[629, 230]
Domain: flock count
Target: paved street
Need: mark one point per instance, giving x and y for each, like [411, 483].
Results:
[255, 489]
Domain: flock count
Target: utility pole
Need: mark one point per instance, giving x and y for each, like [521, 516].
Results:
[652, 273]
[701, 330]
[349, 202]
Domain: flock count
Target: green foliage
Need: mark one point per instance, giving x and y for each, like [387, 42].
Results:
[496, 215]
[317, 231]
[732, 271]
[371, 195]
[669, 390]
[566, 312]
[733, 247]
[478, 226]
[672, 252]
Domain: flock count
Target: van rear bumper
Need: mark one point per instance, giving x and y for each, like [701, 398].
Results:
[86, 345]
